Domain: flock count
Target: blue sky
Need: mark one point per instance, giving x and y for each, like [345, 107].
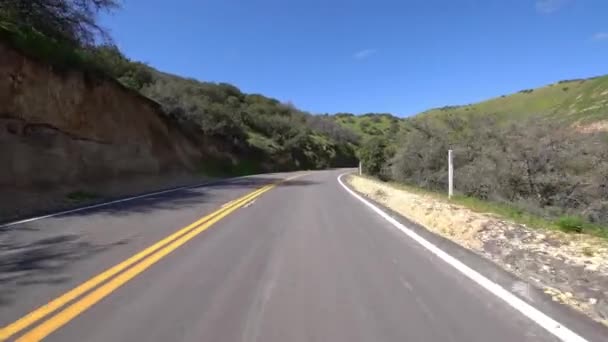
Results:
[355, 56]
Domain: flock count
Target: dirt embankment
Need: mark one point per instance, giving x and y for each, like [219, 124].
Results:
[572, 269]
[68, 130]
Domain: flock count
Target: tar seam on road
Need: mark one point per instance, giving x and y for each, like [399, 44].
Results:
[548, 323]
[149, 256]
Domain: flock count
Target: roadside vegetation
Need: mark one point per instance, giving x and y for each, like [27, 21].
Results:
[539, 156]
[370, 125]
[239, 133]
[540, 153]
[508, 211]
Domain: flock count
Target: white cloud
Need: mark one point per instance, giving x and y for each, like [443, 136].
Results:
[363, 54]
[600, 36]
[550, 6]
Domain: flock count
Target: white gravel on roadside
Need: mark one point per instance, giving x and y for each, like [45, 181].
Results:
[572, 269]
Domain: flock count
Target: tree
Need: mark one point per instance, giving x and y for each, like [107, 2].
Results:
[73, 21]
[373, 156]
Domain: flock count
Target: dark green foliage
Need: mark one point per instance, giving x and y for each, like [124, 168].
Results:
[572, 80]
[61, 55]
[344, 115]
[375, 154]
[446, 108]
[280, 136]
[571, 224]
[67, 21]
[236, 132]
[327, 126]
[108, 58]
[560, 173]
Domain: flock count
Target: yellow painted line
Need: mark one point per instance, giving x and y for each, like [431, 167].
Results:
[66, 315]
[172, 240]
[60, 301]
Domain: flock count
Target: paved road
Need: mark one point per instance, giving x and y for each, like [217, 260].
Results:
[304, 261]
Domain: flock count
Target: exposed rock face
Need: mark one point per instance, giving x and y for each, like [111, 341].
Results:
[67, 128]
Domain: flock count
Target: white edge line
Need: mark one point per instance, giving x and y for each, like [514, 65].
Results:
[548, 323]
[36, 218]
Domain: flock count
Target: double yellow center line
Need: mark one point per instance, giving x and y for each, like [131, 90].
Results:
[114, 277]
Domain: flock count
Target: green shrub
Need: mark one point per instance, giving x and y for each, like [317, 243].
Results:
[374, 154]
[571, 224]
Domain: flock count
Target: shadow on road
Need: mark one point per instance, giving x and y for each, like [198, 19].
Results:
[39, 253]
[40, 261]
[186, 198]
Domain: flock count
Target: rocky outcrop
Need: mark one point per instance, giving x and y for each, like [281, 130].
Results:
[66, 127]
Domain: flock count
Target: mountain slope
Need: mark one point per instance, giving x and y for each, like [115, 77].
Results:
[568, 101]
[370, 125]
[542, 151]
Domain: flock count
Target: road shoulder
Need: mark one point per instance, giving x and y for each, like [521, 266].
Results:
[525, 290]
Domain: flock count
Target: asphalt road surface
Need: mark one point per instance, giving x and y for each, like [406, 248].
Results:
[302, 260]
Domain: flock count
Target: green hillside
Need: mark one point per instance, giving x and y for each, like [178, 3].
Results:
[567, 101]
[370, 125]
[237, 132]
[542, 151]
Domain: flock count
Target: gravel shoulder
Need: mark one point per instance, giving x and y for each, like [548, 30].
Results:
[572, 269]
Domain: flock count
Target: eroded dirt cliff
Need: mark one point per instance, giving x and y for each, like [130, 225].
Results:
[68, 127]
[63, 131]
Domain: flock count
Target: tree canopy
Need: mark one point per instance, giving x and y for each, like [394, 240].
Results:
[74, 21]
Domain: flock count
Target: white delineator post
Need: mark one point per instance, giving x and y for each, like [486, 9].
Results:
[360, 168]
[450, 175]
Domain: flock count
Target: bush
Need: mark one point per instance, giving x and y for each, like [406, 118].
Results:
[72, 22]
[374, 155]
[571, 224]
[218, 116]
[553, 174]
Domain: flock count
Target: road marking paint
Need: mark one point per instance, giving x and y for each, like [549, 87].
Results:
[548, 323]
[227, 204]
[249, 204]
[66, 315]
[150, 256]
[55, 304]
[126, 199]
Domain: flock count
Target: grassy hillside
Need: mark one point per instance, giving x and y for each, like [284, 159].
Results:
[568, 101]
[370, 125]
[543, 151]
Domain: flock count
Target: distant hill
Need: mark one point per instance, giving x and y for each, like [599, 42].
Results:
[567, 101]
[226, 131]
[370, 125]
[542, 150]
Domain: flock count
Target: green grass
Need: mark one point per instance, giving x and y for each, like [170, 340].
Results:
[570, 101]
[571, 224]
[567, 224]
[367, 126]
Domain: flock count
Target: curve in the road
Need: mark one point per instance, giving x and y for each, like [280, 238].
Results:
[150, 255]
[548, 323]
